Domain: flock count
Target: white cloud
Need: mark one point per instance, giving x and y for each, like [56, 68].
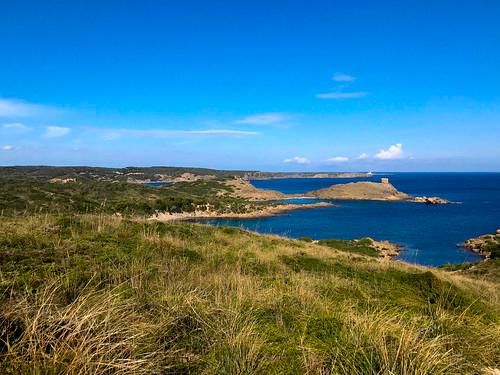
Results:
[341, 77]
[16, 126]
[297, 160]
[7, 148]
[56, 131]
[393, 152]
[13, 108]
[363, 156]
[111, 134]
[338, 159]
[263, 119]
[342, 95]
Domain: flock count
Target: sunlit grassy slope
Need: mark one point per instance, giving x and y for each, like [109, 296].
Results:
[100, 294]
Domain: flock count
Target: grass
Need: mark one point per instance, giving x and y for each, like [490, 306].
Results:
[363, 246]
[103, 294]
[489, 270]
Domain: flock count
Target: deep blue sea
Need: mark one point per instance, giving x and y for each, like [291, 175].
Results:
[428, 233]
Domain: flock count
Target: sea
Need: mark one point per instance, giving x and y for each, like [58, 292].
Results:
[429, 234]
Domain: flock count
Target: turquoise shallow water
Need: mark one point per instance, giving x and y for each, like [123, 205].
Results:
[429, 234]
[158, 183]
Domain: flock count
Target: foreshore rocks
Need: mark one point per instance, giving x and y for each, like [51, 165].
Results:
[386, 249]
[429, 200]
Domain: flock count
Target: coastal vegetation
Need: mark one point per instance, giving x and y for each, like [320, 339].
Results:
[20, 195]
[90, 284]
[86, 293]
[114, 174]
[487, 245]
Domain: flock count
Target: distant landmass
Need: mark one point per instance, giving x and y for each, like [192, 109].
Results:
[159, 173]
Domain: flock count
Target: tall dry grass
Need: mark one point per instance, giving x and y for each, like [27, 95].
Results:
[173, 298]
[96, 333]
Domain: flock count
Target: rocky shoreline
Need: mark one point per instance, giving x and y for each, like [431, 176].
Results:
[264, 212]
[387, 250]
[430, 200]
[488, 245]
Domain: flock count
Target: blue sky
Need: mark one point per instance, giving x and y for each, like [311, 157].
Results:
[270, 85]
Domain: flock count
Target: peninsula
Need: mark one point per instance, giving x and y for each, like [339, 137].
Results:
[380, 191]
[362, 190]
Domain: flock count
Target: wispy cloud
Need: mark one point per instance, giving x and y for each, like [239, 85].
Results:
[297, 160]
[343, 81]
[55, 131]
[7, 148]
[393, 152]
[341, 77]
[110, 133]
[13, 108]
[363, 156]
[338, 159]
[342, 95]
[264, 119]
[16, 126]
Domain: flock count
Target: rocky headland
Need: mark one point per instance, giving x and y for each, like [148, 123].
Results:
[488, 245]
[379, 191]
[241, 188]
[362, 190]
[386, 249]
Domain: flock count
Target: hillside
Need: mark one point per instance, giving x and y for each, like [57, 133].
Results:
[84, 173]
[245, 190]
[27, 195]
[100, 293]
